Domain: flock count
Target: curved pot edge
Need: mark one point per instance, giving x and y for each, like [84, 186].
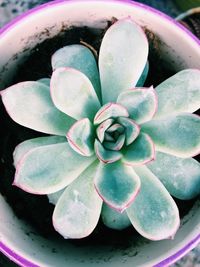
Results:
[179, 254]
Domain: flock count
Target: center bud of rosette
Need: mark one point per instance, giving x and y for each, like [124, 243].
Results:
[108, 135]
[115, 130]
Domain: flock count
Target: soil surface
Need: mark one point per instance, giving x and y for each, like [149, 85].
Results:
[37, 209]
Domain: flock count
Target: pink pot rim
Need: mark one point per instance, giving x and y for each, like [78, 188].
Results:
[11, 254]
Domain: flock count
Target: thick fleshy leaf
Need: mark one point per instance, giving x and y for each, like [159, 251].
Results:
[114, 219]
[177, 135]
[117, 184]
[102, 128]
[30, 144]
[132, 130]
[54, 197]
[153, 213]
[140, 151]
[73, 93]
[180, 176]
[143, 77]
[81, 137]
[116, 127]
[122, 58]
[117, 145]
[81, 58]
[47, 169]
[180, 93]
[110, 110]
[77, 211]
[45, 81]
[141, 103]
[104, 155]
[30, 105]
[108, 137]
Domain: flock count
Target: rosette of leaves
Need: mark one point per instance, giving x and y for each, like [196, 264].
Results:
[115, 149]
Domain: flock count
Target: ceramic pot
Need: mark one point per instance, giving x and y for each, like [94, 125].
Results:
[179, 48]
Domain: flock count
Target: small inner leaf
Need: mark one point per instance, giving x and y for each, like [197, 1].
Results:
[102, 128]
[110, 110]
[132, 130]
[116, 127]
[104, 155]
[117, 145]
[81, 138]
[140, 151]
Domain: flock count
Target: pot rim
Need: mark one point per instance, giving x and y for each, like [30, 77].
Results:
[11, 254]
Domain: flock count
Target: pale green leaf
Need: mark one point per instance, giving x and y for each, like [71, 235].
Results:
[180, 176]
[30, 105]
[78, 210]
[81, 58]
[180, 93]
[117, 184]
[73, 93]
[122, 58]
[177, 135]
[153, 213]
[114, 219]
[47, 169]
[30, 144]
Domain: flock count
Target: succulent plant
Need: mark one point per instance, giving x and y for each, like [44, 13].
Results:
[127, 147]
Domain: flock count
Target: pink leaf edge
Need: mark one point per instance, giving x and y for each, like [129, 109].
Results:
[126, 205]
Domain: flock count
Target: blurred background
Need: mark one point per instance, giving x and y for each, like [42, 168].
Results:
[12, 8]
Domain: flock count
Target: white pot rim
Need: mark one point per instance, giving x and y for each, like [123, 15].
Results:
[9, 252]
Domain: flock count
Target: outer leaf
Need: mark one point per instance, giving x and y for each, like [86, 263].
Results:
[81, 58]
[113, 219]
[47, 169]
[73, 93]
[77, 211]
[180, 93]
[45, 81]
[28, 145]
[141, 103]
[110, 110]
[181, 177]
[154, 213]
[143, 77]
[104, 155]
[117, 184]
[54, 197]
[81, 137]
[122, 58]
[140, 151]
[30, 104]
[178, 135]
[132, 130]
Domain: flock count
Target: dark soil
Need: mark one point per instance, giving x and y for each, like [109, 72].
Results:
[36, 209]
[192, 22]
